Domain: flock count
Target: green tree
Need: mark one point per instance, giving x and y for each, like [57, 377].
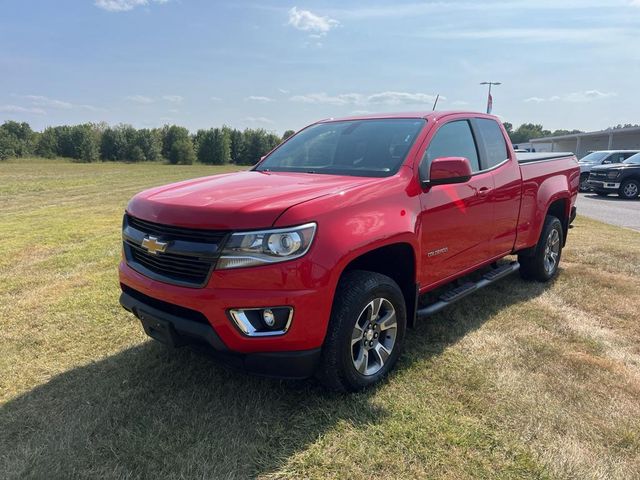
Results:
[47, 145]
[287, 134]
[170, 135]
[86, 144]
[237, 145]
[149, 143]
[214, 146]
[18, 138]
[527, 131]
[8, 144]
[182, 152]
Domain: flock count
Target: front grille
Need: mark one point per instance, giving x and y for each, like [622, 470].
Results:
[176, 233]
[189, 258]
[598, 176]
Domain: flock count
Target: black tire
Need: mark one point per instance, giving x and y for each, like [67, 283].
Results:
[630, 189]
[356, 291]
[536, 266]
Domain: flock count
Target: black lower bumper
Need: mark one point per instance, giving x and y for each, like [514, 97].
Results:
[177, 326]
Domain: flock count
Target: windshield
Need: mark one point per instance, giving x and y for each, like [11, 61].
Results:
[633, 159]
[367, 148]
[594, 157]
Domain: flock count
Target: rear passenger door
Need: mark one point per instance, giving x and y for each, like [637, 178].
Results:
[456, 219]
[505, 198]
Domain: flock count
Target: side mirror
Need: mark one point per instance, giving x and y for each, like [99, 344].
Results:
[447, 170]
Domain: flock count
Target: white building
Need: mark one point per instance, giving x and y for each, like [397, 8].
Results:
[583, 143]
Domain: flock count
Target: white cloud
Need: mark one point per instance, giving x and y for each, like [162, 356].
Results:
[459, 103]
[574, 97]
[42, 101]
[400, 98]
[173, 98]
[381, 98]
[124, 5]
[266, 120]
[284, 92]
[140, 99]
[310, 22]
[258, 98]
[19, 109]
[215, 99]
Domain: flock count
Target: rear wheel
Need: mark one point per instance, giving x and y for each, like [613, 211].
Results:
[543, 264]
[366, 331]
[629, 189]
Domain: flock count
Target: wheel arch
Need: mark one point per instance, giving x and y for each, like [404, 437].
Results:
[397, 261]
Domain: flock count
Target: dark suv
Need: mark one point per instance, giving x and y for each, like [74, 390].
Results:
[622, 178]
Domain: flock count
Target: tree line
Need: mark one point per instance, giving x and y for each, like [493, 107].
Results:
[528, 131]
[90, 142]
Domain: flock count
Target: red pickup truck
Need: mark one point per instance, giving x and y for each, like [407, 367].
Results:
[316, 261]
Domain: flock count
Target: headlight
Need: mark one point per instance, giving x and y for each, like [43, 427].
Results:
[247, 249]
[612, 175]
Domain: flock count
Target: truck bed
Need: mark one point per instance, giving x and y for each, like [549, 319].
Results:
[541, 157]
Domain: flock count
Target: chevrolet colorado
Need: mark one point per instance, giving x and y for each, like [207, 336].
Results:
[317, 259]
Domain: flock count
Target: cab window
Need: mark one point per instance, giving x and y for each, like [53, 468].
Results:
[453, 139]
[494, 143]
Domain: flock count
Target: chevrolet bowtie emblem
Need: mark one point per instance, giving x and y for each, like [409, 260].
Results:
[153, 246]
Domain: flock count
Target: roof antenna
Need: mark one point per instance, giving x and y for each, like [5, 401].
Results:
[435, 103]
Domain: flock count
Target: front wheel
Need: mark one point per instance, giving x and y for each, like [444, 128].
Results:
[543, 264]
[629, 189]
[366, 331]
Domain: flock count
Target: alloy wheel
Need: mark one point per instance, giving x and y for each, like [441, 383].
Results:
[630, 190]
[374, 336]
[552, 252]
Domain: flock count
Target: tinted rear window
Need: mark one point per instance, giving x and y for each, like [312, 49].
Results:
[494, 142]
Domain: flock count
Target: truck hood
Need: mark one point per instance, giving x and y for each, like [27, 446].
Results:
[236, 201]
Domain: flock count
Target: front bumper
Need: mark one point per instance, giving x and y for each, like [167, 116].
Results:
[603, 185]
[177, 326]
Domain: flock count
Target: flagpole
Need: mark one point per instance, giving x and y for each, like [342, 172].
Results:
[489, 98]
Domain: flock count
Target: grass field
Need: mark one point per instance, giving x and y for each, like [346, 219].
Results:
[521, 380]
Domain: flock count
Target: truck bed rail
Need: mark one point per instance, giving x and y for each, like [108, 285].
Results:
[541, 157]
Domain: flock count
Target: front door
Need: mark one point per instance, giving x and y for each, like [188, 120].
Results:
[456, 220]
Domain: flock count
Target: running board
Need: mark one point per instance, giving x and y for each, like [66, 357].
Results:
[457, 293]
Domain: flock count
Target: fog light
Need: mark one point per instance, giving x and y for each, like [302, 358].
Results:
[262, 322]
[269, 318]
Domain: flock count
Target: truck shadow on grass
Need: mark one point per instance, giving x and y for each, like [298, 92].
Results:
[150, 412]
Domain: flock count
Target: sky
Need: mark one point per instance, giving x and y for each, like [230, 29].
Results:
[283, 64]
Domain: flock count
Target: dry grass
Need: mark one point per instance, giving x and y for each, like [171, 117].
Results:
[519, 381]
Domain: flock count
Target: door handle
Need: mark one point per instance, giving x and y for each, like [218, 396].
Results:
[484, 191]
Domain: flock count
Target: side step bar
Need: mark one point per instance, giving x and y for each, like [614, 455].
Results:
[457, 293]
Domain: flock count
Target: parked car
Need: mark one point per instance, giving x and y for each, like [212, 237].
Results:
[317, 260]
[621, 178]
[603, 157]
